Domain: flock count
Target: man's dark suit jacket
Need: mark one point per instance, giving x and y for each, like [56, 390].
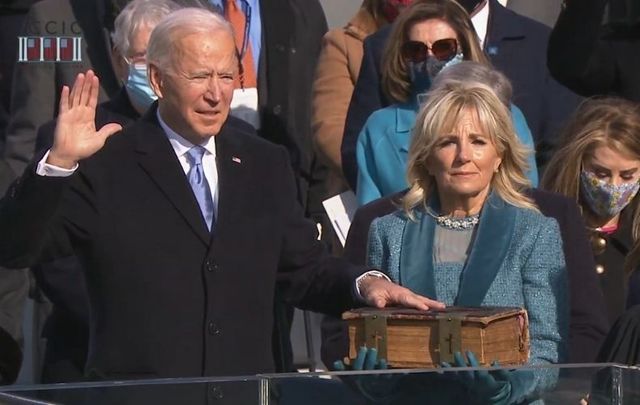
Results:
[588, 323]
[516, 45]
[62, 280]
[292, 36]
[169, 298]
[585, 59]
[292, 32]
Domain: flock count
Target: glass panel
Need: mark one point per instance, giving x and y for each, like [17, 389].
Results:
[570, 384]
[241, 390]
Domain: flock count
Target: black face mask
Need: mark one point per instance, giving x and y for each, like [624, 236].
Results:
[469, 5]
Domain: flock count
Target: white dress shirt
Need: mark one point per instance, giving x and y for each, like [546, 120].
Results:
[181, 146]
[481, 22]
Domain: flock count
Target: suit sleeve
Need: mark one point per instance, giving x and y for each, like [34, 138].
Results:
[366, 99]
[41, 216]
[308, 276]
[544, 286]
[577, 57]
[374, 247]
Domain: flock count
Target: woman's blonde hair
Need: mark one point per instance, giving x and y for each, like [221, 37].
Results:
[439, 115]
[608, 121]
[395, 76]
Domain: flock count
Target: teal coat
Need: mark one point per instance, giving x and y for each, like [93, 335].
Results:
[383, 146]
[516, 260]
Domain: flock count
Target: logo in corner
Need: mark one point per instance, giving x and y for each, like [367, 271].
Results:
[49, 49]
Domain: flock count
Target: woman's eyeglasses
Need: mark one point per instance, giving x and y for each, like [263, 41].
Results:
[443, 50]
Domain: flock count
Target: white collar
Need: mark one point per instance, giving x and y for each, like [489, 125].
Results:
[179, 144]
[481, 22]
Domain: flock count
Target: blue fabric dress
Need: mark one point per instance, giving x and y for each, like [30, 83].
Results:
[383, 146]
[516, 260]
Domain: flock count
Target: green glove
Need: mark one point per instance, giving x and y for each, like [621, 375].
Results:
[377, 388]
[367, 359]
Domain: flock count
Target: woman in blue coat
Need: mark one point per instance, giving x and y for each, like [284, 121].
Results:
[467, 235]
[427, 39]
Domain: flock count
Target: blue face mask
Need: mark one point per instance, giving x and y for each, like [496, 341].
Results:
[422, 74]
[138, 88]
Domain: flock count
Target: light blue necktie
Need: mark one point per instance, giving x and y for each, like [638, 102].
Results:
[199, 184]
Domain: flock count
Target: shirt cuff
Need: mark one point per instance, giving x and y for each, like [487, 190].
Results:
[370, 273]
[47, 170]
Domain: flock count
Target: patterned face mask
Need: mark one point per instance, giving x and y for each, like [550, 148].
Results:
[604, 199]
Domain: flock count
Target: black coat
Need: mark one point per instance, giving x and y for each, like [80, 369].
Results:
[292, 36]
[169, 298]
[62, 280]
[584, 59]
[516, 45]
[619, 291]
[588, 323]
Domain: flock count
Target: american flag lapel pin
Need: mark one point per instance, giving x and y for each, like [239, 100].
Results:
[236, 159]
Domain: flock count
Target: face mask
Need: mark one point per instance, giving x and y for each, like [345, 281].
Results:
[138, 89]
[606, 200]
[391, 8]
[469, 5]
[422, 74]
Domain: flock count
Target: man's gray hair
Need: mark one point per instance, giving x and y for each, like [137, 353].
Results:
[468, 71]
[136, 15]
[186, 21]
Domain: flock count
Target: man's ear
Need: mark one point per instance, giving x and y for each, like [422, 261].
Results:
[120, 66]
[155, 79]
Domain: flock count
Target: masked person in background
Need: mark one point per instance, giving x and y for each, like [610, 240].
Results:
[598, 164]
[62, 280]
[426, 39]
[336, 75]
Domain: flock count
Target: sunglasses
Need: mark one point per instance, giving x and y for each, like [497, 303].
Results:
[443, 50]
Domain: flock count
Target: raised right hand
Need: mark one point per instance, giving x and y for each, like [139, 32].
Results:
[75, 137]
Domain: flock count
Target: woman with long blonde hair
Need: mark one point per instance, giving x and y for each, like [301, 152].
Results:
[598, 164]
[468, 235]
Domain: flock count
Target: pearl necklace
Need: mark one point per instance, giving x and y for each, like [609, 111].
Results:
[457, 224]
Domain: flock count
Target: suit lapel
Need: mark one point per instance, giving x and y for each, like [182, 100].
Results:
[157, 158]
[491, 245]
[90, 17]
[416, 256]
[501, 28]
[233, 176]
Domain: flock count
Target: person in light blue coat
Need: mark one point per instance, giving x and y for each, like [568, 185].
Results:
[467, 235]
[383, 146]
[427, 41]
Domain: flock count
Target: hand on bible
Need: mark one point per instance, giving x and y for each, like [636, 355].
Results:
[75, 136]
[380, 293]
